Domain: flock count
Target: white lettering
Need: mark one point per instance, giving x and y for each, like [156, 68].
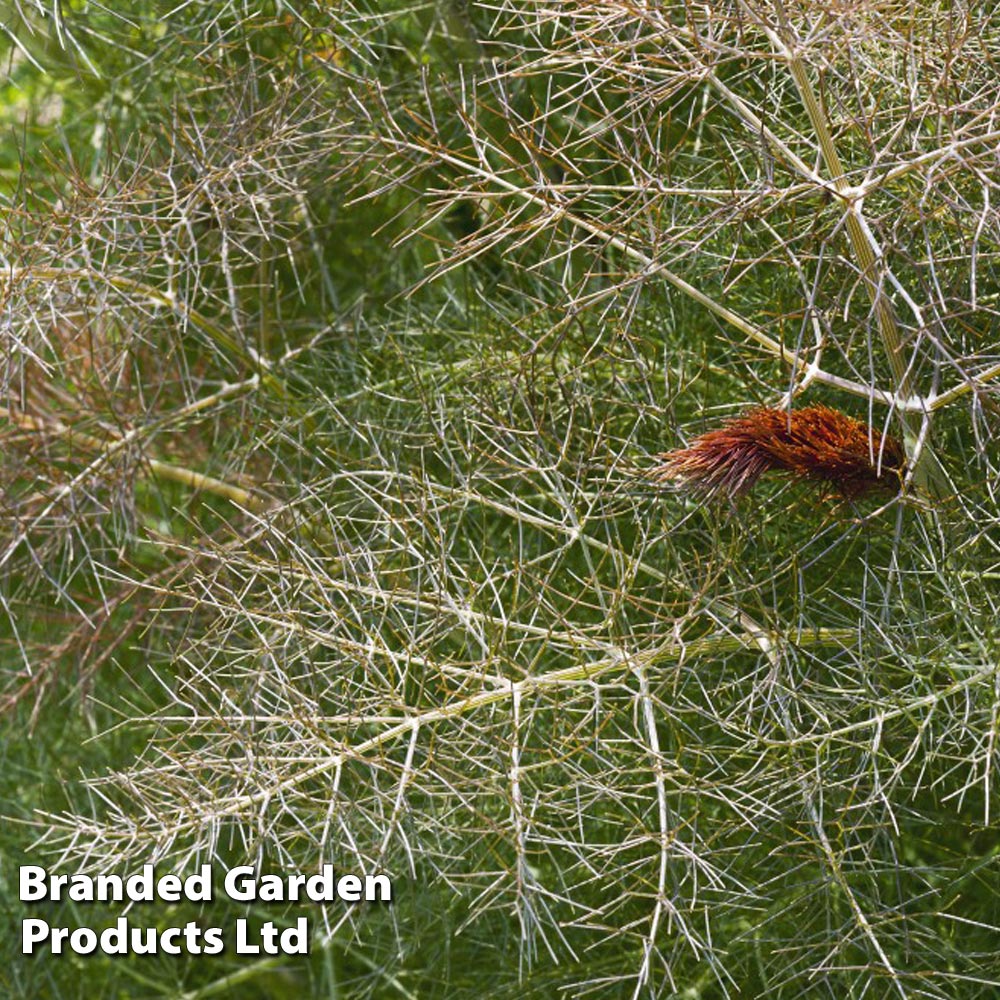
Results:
[81, 888]
[321, 888]
[31, 885]
[384, 888]
[139, 888]
[198, 887]
[83, 940]
[144, 940]
[349, 888]
[271, 889]
[240, 886]
[273, 941]
[295, 940]
[33, 931]
[243, 947]
[167, 939]
[192, 935]
[58, 935]
[115, 940]
[214, 943]
[168, 888]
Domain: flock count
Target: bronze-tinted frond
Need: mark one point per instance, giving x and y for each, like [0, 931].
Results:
[817, 444]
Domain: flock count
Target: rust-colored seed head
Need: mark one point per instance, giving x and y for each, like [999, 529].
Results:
[817, 444]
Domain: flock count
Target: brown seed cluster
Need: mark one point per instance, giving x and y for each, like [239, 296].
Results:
[815, 444]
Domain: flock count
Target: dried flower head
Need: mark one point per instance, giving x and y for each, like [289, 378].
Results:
[817, 444]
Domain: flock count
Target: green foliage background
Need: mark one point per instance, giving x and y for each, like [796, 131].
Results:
[337, 341]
